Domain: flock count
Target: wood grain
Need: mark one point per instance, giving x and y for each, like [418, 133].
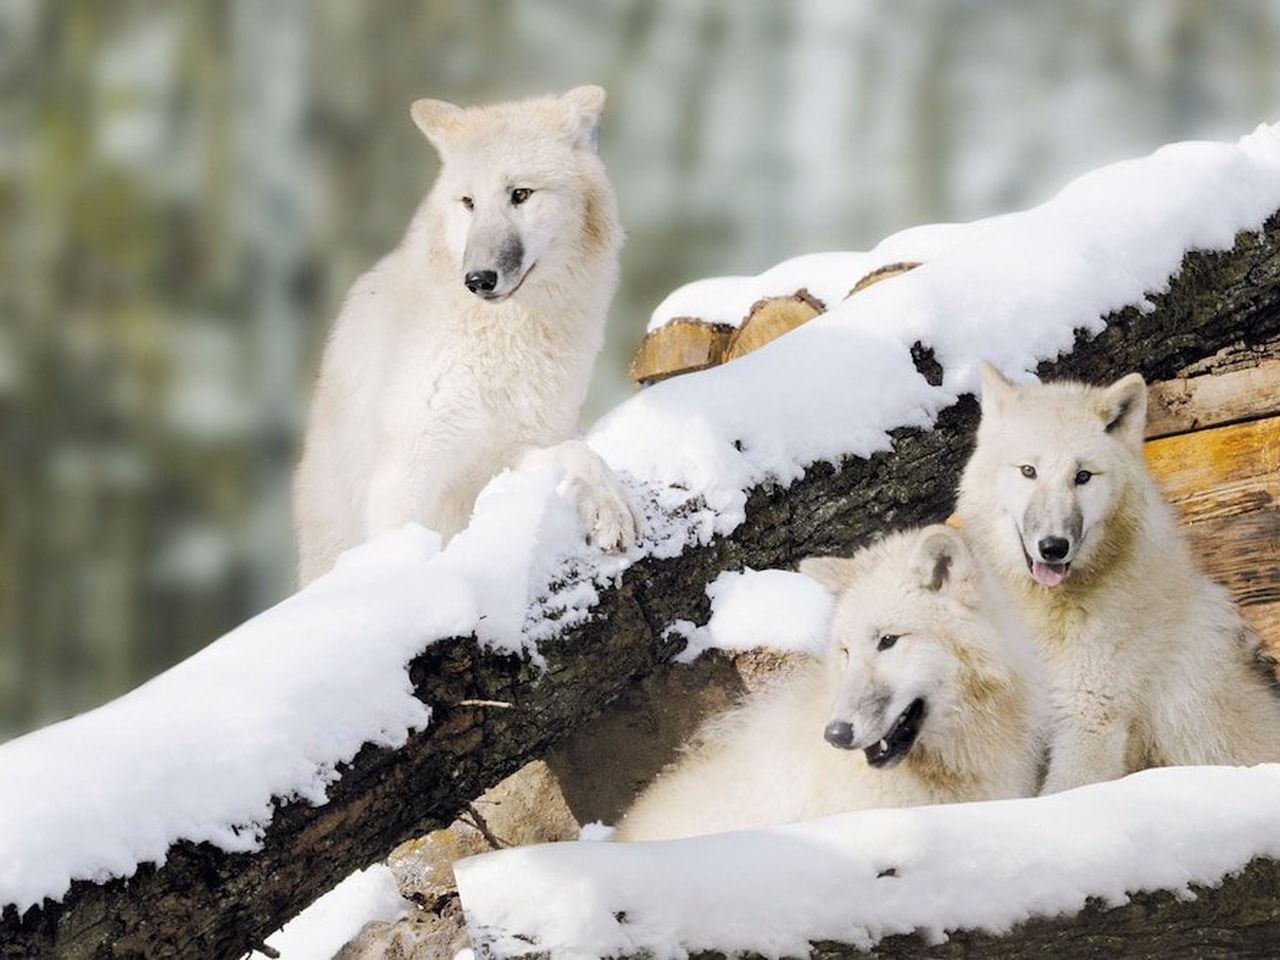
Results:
[1238, 459]
[683, 345]
[1184, 404]
[1225, 484]
[1264, 618]
[769, 319]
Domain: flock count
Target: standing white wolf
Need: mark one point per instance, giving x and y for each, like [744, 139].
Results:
[1148, 661]
[471, 345]
[928, 694]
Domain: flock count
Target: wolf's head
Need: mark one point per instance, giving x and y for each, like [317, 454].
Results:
[521, 192]
[911, 636]
[1053, 475]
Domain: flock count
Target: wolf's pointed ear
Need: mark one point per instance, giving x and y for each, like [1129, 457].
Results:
[997, 389]
[942, 561]
[436, 119]
[1124, 409]
[834, 573]
[584, 106]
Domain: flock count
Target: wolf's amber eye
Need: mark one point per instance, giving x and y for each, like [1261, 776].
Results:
[468, 203]
[1082, 477]
[886, 641]
[519, 195]
[1028, 471]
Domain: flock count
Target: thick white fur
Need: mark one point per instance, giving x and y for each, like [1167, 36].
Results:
[426, 391]
[1148, 661]
[961, 648]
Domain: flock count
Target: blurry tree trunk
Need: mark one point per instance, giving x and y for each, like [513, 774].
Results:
[271, 169]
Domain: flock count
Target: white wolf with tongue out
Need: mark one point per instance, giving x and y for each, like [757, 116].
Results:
[1147, 660]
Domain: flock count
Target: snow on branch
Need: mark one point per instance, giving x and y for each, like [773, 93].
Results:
[853, 880]
[197, 814]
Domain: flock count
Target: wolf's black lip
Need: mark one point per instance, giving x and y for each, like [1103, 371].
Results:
[500, 297]
[900, 738]
[1021, 545]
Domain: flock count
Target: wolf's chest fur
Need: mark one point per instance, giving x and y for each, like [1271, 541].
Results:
[505, 372]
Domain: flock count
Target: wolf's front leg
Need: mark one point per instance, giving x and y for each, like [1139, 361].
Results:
[1087, 750]
[608, 516]
[403, 490]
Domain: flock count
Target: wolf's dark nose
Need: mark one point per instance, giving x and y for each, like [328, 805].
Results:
[1054, 549]
[481, 281]
[839, 734]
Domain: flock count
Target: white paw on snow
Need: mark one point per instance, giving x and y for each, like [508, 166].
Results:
[608, 517]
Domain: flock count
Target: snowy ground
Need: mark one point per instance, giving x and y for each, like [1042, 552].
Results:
[858, 877]
[272, 708]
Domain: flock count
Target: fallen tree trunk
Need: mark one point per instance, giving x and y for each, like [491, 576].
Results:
[205, 903]
[1238, 918]
[1112, 879]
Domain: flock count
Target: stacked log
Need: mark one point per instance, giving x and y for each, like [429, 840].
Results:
[1214, 446]
[689, 344]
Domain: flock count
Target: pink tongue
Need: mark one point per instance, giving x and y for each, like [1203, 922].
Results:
[1048, 574]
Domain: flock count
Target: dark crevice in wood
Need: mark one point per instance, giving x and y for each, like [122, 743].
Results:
[926, 364]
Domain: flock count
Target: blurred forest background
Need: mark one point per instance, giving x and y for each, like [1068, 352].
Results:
[188, 188]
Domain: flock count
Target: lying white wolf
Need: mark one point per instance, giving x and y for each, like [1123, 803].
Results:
[928, 694]
[1148, 661]
[471, 344]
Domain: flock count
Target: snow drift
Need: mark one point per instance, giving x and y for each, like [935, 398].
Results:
[858, 877]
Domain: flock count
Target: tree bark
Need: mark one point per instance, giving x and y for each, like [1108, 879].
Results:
[204, 903]
[1239, 918]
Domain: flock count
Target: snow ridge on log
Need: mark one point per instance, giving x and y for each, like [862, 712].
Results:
[872, 877]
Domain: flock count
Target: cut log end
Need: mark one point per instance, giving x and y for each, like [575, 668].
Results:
[769, 319]
[689, 344]
[886, 272]
[683, 345]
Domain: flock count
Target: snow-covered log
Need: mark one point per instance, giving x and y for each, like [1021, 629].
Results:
[1102, 871]
[1237, 917]
[687, 344]
[195, 816]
